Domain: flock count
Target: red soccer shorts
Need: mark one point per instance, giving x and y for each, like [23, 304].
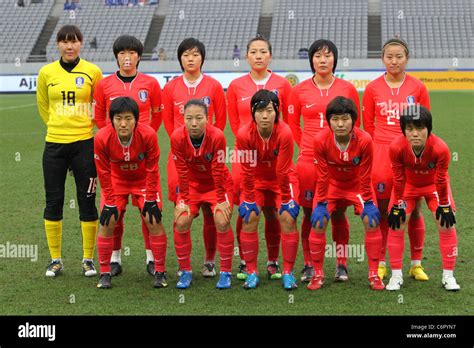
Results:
[236, 177]
[341, 199]
[138, 200]
[382, 176]
[306, 181]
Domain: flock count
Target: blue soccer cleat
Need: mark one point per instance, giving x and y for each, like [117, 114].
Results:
[289, 281]
[252, 281]
[225, 280]
[185, 280]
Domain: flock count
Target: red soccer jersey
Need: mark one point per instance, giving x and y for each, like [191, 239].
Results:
[144, 89]
[382, 105]
[430, 168]
[177, 92]
[273, 159]
[203, 168]
[240, 93]
[348, 170]
[127, 169]
[308, 100]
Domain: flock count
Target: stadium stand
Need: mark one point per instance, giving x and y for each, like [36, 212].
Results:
[21, 27]
[220, 24]
[433, 29]
[297, 23]
[106, 23]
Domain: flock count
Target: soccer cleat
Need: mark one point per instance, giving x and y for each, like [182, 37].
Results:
[242, 274]
[252, 281]
[54, 268]
[150, 267]
[160, 280]
[450, 284]
[105, 281]
[225, 280]
[341, 274]
[394, 283]
[316, 282]
[209, 270]
[115, 269]
[273, 270]
[88, 268]
[376, 283]
[418, 273]
[185, 280]
[289, 281]
[382, 271]
[308, 272]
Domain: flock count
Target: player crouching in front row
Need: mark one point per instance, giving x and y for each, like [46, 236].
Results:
[420, 163]
[126, 156]
[343, 161]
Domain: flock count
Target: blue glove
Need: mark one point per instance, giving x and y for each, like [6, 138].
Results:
[291, 207]
[246, 208]
[319, 213]
[371, 211]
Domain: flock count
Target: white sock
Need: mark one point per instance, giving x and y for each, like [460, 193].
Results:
[382, 263]
[397, 272]
[447, 273]
[415, 263]
[149, 256]
[116, 256]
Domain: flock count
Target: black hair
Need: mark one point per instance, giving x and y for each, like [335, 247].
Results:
[127, 43]
[341, 105]
[69, 32]
[260, 37]
[121, 105]
[196, 102]
[417, 115]
[188, 44]
[317, 46]
[396, 41]
[261, 99]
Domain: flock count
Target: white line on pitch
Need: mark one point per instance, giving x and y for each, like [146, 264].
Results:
[17, 107]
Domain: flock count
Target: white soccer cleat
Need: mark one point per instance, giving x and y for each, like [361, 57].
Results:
[394, 283]
[449, 283]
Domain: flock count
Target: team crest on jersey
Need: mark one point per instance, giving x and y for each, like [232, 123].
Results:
[275, 152]
[206, 100]
[381, 187]
[208, 156]
[431, 165]
[143, 95]
[141, 156]
[411, 100]
[79, 82]
[308, 195]
[356, 161]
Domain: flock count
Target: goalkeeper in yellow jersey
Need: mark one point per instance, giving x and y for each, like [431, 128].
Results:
[64, 96]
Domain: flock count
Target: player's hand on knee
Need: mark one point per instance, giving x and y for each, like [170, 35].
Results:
[180, 209]
[291, 207]
[397, 215]
[246, 208]
[106, 214]
[445, 212]
[319, 213]
[225, 209]
[151, 207]
[372, 213]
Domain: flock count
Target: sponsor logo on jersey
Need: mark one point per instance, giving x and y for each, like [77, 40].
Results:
[308, 195]
[206, 100]
[177, 103]
[245, 98]
[431, 165]
[356, 161]
[79, 82]
[143, 95]
[411, 100]
[141, 156]
[208, 156]
[310, 105]
[381, 187]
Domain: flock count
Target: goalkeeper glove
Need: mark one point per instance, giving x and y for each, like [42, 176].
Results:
[397, 215]
[319, 213]
[372, 212]
[291, 207]
[246, 208]
[106, 214]
[152, 209]
[447, 216]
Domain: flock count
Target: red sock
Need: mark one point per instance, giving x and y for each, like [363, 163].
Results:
[305, 230]
[289, 249]
[105, 246]
[273, 237]
[225, 244]
[146, 236]
[238, 228]
[249, 242]
[340, 234]
[182, 246]
[118, 233]
[209, 234]
[317, 245]
[158, 247]
[384, 230]
[416, 233]
[448, 247]
[373, 243]
[396, 246]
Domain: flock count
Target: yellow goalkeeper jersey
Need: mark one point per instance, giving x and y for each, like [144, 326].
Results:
[65, 100]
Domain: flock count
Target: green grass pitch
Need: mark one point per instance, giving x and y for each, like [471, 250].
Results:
[24, 290]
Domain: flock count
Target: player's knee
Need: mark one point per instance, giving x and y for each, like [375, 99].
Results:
[252, 223]
[182, 224]
[287, 223]
[156, 228]
[87, 208]
[54, 208]
[367, 224]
